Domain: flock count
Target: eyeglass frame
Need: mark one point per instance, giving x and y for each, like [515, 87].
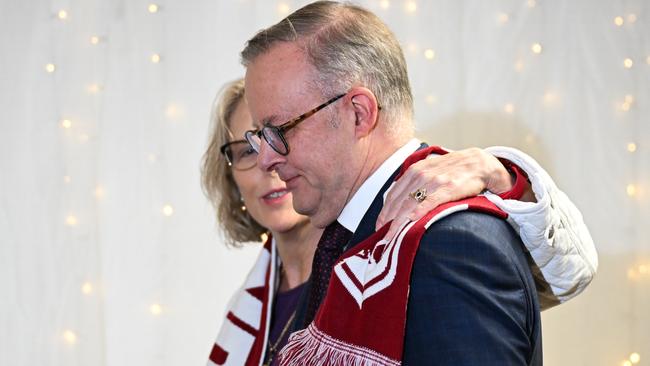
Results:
[280, 130]
[231, 164]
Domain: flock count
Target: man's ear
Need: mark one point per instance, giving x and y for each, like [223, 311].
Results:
[366, 110]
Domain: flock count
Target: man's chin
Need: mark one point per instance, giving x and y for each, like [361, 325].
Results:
[301, 208]
[320, 218]
[319, 215]
[305, 209]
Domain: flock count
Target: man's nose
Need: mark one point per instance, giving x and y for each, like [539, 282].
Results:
[267, 158]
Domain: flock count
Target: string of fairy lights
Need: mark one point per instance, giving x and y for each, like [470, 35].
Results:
[640, 271]
[89, 288]
[156, 308]
[625, 105]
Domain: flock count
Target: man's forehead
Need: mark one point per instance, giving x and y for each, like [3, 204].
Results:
[264, 102]
[274, 82]
[280, 67]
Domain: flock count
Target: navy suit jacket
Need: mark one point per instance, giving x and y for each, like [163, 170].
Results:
[472, 299]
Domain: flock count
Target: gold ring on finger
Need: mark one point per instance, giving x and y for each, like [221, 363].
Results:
[419, 195]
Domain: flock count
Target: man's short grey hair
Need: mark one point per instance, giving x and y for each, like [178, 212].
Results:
[347, 46]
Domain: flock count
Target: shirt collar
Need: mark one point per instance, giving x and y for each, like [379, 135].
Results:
[356, 208]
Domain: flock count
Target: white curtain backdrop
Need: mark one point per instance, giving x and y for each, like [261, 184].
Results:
[109, 253]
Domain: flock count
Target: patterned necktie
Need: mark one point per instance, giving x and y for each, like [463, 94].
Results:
[329, 249]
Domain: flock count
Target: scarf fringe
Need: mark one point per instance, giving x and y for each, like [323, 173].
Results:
[312, 347]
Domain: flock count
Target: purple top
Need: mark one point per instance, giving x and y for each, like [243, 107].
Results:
[284, 306]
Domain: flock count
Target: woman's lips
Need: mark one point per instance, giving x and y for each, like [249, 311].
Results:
[275, 196]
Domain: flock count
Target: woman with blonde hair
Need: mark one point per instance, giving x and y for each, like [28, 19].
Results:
[252, 204]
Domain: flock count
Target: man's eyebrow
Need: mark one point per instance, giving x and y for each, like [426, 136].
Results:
[267, 121]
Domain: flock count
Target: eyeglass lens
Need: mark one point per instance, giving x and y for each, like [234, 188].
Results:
[241, 155]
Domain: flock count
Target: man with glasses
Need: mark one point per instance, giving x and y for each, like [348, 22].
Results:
[449, 289]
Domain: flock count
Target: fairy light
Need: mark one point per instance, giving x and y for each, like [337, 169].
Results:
[631, 190]
[153, 8]
[536, 48]
[626, 363]
[530, 139]
[627, 102]
[67, 179]
[519, 65]
[69, 337]
[283, 8]
[87, 288]
[509, 108]
[412, 47]
[550, 98]
[168, 210]
[173, 111]
[50, 68]
[503, 18]
[93, 88]
[619, 21]
[631, 274]
[625, 106]
[635, 358]
[431, 99]
[532, 3]
[62, 14]
[152, 158]
[429, 54]
[155, 309]
[384, 4]
[71, 220]
[155, 58]
[83, 138]
[635, 273]
[631, 18]
[411, 7]
[94, 40]
[99, 192]
[628, 63]
[66, 123]
[631, 147]
[264, 237]
[647, 60]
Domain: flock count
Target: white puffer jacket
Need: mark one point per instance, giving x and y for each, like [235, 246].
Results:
[554, 232]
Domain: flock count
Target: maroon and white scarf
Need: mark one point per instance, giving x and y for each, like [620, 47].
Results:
[362, 320]
[243, 335]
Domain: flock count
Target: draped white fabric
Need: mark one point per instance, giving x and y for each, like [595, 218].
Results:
[108, 250]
